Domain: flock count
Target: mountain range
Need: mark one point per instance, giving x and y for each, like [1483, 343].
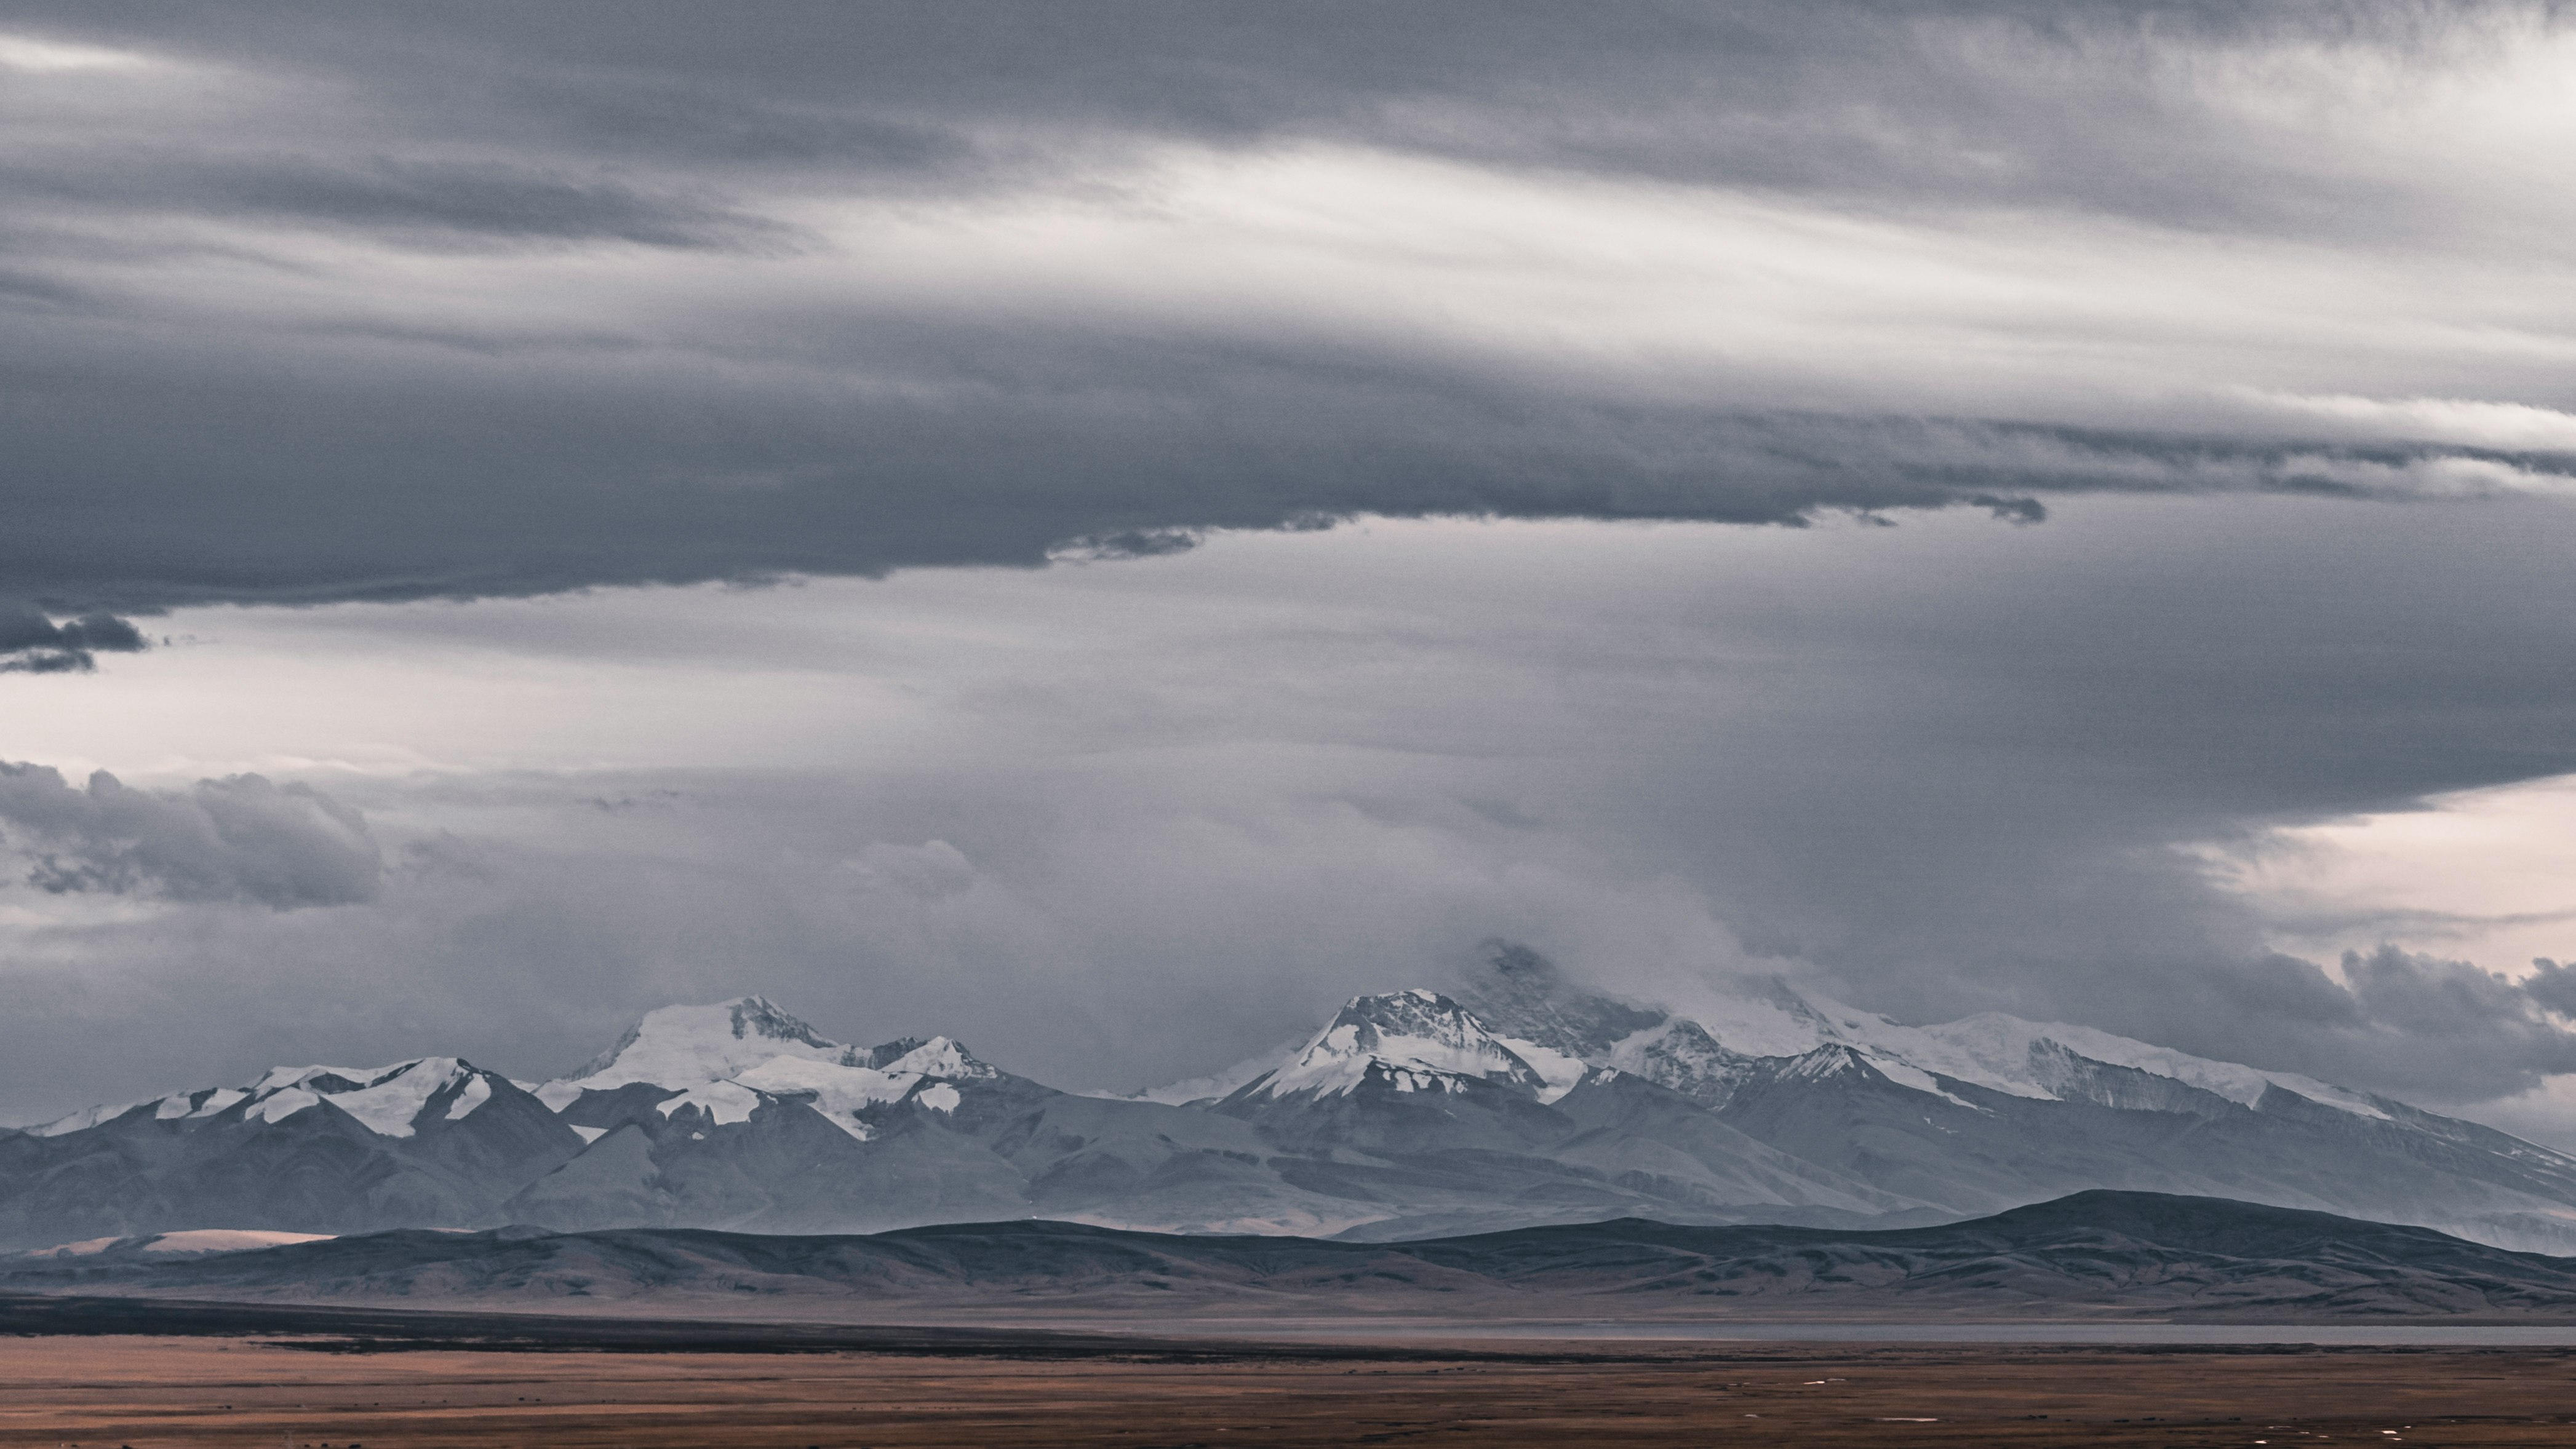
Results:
[1511, 1099]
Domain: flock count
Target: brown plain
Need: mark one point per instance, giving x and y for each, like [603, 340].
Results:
[102, 1392]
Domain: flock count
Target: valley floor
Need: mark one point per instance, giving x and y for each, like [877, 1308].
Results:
[110, 1390]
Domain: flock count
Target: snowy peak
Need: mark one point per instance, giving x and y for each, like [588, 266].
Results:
[724, 1060]
[940, 1056]
[1413, 1040]
[684, 1045]
[1517, 1005]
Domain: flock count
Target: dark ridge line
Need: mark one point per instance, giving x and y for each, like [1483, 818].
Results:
[2076, 1210]
[332, 1330]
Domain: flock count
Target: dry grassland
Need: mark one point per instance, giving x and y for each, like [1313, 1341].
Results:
[101, 1392]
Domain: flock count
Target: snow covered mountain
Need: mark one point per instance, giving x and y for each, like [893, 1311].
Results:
[315, 1149]
[1512, 1098]
[1414, 1041]
[1992, 1111]
[728, 1060]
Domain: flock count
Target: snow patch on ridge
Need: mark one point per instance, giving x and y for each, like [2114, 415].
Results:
[1558, 1073]
[723, 1102]
[85, 1118]
[836, 1091]
[388, 1107]
[477, 1092]
[2002, 1047]
[280, 1105]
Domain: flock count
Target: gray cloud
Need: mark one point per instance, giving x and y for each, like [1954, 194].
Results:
[242, 838]
[2460, 1031]
[317, 440]
[1021, 441]
[2415, 1026]
[31, 643]
[2552, 984]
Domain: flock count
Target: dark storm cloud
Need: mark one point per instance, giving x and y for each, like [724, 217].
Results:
[2553, 985]
[242, 838]
[31, 643]
[508, 478]
[172, 443]
[2415, 1026]
[2462, 1031]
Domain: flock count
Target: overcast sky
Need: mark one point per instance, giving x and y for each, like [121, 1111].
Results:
[1104, 528]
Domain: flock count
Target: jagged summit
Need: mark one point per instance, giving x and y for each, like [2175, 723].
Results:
[1413, 1041]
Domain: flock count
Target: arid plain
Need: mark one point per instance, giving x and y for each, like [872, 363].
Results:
[147, 1392]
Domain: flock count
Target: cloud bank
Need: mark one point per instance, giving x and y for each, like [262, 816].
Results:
[344, 303]
[243, 838]
[1129, 820]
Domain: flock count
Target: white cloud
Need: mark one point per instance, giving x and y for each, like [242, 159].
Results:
[2502, 425]
[34, 55]
[2480, 875]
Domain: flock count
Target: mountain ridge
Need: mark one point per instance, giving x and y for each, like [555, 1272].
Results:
[2093, 1255]
[1512, 1098]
